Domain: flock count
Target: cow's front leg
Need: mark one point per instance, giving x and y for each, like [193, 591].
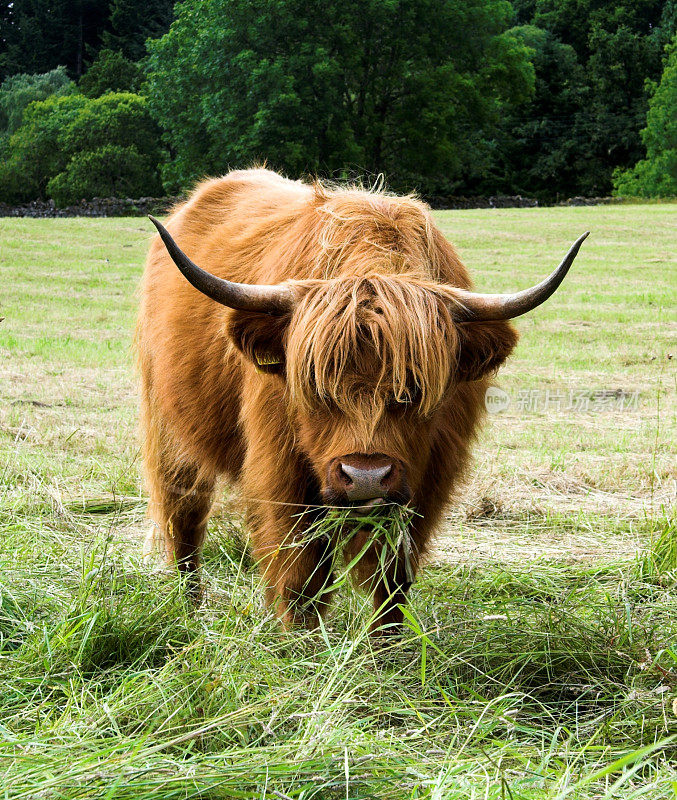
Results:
[180, 502]
[385, 571]
[297, 571]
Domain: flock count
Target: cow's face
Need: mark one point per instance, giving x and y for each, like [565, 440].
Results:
[371, 364]
[371, 367]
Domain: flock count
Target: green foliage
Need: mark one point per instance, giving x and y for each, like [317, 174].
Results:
[656, 175]
[35, 151]
[38, 35]
[108, 171]
[443, 96]
[590, 101]
[541, 147]
[17, 92]
[412, 88]
[111, 71]
[78, 147]
[115, 118]
[132, 22]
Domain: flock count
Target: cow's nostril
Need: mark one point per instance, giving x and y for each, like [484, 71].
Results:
[387, 470]
[345, 475]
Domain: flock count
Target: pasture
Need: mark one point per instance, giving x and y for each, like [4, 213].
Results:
[540, 657]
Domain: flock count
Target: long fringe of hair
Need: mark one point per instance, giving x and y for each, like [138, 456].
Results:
[392, 333]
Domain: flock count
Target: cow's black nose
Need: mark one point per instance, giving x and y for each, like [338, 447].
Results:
[365, 483]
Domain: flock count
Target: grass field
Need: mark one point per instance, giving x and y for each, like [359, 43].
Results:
[540, 659]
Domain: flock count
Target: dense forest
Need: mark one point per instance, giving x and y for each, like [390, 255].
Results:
[544, 98]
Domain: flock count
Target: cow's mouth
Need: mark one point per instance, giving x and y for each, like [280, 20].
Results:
[363, 507]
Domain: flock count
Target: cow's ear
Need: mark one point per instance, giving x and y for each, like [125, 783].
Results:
[483, 347]
[260, 338]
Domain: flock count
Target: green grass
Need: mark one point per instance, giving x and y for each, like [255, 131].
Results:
[540, 657]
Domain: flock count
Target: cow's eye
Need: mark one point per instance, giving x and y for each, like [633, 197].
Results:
[407, 400]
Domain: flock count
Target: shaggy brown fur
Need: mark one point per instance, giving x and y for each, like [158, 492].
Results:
[371, 361]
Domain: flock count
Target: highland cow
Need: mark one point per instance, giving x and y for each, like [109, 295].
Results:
[328, 351]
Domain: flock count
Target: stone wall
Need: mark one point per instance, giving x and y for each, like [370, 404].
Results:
[127, 207]
[98, 207]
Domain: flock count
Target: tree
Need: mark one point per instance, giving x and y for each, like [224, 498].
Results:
[77, 147]
[18, 91]
[134, 21]
[35, 151]
[656, 175]
[413, 88]
[108, 171]
[111, 72]
[39, 35]
[617, 45]
[540, 149]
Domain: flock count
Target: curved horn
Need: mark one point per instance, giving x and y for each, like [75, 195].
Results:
[476, 307]
[276, 299]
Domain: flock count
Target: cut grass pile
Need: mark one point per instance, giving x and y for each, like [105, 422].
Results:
[540, 651]
[386, 531]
